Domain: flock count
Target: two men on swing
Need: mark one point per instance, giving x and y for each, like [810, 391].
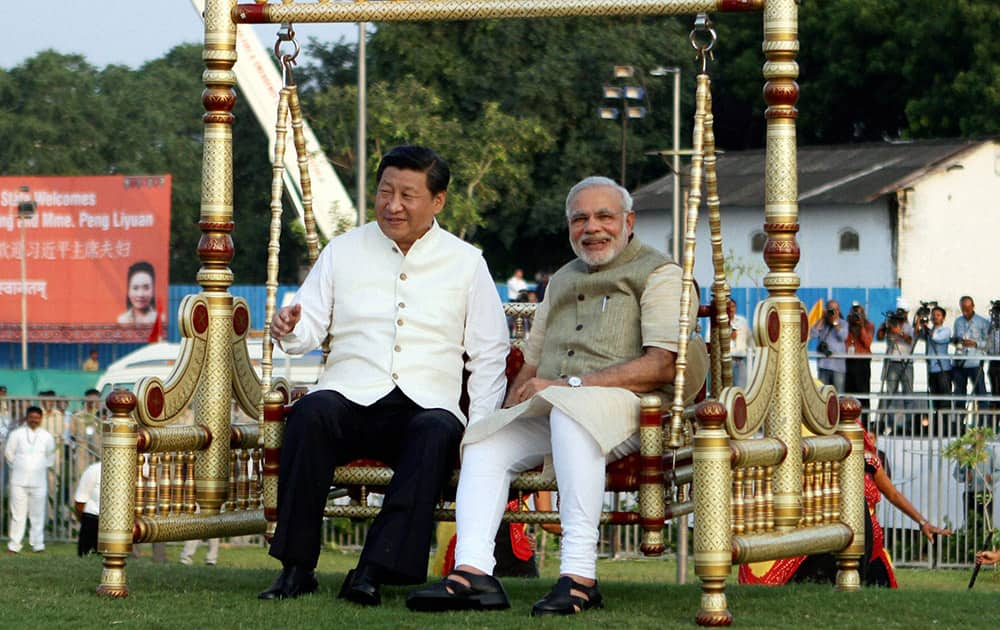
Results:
[404, 301]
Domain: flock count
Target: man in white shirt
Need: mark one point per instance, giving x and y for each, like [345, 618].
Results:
[31, 453]
[739, 347]
[87, 501]
[515, 284]
[407, 306]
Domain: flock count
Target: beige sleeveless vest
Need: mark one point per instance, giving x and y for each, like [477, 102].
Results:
[594, 315]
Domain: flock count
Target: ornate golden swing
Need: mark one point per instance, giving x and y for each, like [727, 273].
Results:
[761, 490]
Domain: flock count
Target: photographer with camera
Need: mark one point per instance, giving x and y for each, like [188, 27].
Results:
[971, 340]
[897, 369]
[994, 349]
[931, 327]
[831, 331]
[860, 333]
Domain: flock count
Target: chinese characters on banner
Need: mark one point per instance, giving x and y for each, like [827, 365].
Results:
[96, 255]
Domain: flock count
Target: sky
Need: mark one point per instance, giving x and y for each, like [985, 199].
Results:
[128, 32]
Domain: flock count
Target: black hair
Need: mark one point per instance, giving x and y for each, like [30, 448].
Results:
[944, 313]
[415, 158]
[140, 267]
[33, 409]
[91, 392]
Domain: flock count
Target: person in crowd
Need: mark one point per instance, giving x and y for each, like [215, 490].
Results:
[515, 284]
[971, 340]
[993, 348]
[85, 431]
[987, 557]
[897, 369]
[876, 566]
[6, 422]
[606, 331]
[739, 347]
[87, 501]
[54, 421]
[191, 547]
[831, 335]
[52, 418]
[937, 337]
[30, 453]
[860, 334]
[140, 297]
[407, 306]
[91, 363]
[979, 481]
[541, 283]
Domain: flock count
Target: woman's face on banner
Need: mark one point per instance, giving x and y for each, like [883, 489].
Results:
[140, 291]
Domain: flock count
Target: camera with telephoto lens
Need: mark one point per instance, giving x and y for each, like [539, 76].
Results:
[897, 316]
[824, 348]
[923, 314]
[855, 315]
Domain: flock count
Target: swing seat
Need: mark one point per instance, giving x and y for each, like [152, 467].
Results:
[660, 474]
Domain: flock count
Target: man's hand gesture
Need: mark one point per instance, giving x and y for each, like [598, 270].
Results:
[284, 320]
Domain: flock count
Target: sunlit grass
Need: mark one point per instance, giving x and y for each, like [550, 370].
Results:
[56, 589]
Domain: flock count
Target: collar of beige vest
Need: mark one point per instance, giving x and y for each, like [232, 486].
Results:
[629, 253]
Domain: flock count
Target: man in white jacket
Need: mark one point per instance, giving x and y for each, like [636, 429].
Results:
[407, 306]
[30, 453]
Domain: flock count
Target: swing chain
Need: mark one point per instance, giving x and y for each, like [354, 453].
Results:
[703, 38]
[286, 34]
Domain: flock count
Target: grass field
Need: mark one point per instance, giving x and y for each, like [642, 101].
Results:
[56, 590]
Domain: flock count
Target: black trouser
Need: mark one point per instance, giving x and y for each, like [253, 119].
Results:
[858, 379]
[87, 541]
[325, 430]
[994, 374]
[939, 383]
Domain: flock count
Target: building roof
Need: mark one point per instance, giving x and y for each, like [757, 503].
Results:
[841, 174]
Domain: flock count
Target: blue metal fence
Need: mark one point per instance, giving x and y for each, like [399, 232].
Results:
[71, 355]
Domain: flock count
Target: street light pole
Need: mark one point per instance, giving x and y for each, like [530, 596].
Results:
[675, 164]
[624, 140]
[625, 93]
[362, 160]
[25, 210]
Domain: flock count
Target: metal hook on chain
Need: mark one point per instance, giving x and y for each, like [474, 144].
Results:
[703, 38]
[286, 34]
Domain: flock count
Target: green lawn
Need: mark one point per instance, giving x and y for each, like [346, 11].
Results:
[56, 589]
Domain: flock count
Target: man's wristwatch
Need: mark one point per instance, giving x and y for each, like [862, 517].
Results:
[574, 381]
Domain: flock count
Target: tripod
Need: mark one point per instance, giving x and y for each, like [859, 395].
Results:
[896, 372]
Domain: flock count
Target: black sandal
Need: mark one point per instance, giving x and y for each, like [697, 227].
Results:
[561, 601]
[483, 593]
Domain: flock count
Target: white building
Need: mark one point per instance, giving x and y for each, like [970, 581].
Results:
[923, 216]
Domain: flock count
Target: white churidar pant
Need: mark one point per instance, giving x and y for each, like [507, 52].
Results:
[489, 465]
[27, 503]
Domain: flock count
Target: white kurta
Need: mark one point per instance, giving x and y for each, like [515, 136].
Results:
[609, 414]
[405, 321]
[88, 490]
[30, 454]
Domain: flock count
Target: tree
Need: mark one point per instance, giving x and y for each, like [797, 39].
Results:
[61, 116]
[529, 114]
[870, 70]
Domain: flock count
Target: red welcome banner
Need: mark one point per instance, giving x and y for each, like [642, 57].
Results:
[96, 257]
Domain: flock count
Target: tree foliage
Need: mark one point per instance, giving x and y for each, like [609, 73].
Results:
[513, 106]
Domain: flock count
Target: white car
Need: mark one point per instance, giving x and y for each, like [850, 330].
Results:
[158, 359]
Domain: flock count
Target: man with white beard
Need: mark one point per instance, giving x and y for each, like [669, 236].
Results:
[606, 332]
[31, 453]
